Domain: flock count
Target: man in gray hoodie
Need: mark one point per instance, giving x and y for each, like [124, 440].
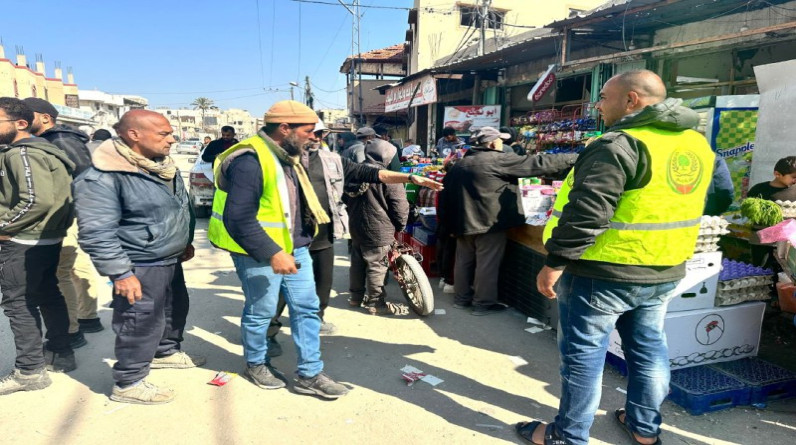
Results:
[77, 278]
[35, 211]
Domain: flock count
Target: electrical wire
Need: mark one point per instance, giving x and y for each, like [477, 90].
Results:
[260, 43]
[331, 43]
[327, 91]
[348, 4]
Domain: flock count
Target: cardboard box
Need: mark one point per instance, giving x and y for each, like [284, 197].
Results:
[698, 289]
[708, 335]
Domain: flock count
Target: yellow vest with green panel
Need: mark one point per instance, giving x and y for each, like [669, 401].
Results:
[274, 212]
[658, 224]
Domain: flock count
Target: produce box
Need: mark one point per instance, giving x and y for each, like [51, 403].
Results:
[707, 336]
[698, 289]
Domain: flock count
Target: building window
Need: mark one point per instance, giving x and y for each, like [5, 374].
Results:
[46, 95]
[33, 90]
[471, 16]
[16, 89]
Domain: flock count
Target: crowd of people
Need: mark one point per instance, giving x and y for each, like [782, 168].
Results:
[283, 197]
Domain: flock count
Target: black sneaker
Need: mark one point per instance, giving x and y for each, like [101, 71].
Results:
[59, 361]
[90, 325]
[274, 348]
[320, 385]
[24, 381]
[466, 305]
[489, 309]
[265, 376]
[77, 340]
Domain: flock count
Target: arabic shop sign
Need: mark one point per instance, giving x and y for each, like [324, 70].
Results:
[398, 98]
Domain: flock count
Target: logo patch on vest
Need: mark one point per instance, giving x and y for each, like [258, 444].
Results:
[685, 171]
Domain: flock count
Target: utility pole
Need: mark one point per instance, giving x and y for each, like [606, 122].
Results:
[355, 71]
[308, 99]
[484, 14]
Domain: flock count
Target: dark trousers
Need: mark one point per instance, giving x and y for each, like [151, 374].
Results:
[144, 330]
[179, 306]
[478, 259]
[322, 271]
[368, 272]
[30, 287]
[446, 256]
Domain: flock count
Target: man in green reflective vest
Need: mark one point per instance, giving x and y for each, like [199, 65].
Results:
[265, 214]
[623, 225]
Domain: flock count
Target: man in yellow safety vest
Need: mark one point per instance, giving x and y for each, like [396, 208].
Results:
[623, 225]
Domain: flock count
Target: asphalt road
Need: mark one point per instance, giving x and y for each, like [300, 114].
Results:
[493, 374]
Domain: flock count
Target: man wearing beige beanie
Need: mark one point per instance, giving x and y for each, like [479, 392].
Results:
[264, 213]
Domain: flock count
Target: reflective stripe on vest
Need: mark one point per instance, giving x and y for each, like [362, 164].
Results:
[658, 224]
[274, 211]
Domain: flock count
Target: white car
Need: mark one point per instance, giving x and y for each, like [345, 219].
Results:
[201, 187]
[189, 147]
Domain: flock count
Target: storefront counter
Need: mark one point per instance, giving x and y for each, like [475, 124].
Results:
[524, 258]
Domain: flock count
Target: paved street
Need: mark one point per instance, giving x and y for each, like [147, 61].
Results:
[494, 375]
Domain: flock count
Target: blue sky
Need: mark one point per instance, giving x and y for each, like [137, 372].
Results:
[172, 51]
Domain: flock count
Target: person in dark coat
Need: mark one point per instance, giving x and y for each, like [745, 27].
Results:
[220, 145]
[511, 144]
[76, 276]
[481, 190]
[376, 212]
[721, 191]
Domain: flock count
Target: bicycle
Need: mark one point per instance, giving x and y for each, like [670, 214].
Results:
[404, 263]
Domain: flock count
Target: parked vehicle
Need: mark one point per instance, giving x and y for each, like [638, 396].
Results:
[189, 147]
[201, 187]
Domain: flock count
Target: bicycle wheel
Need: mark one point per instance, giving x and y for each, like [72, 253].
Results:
[415, 285]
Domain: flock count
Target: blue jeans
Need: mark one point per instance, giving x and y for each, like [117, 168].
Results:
[589, 310]
[261, 287]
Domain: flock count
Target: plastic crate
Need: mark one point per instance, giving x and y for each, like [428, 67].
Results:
[429, 254]
[767, 380]
[702, 389]
[425, 236]
[617, 363]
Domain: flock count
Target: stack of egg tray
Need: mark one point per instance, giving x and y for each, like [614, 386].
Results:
[766, 380]
[710, 230]
[752, 288]
[702, 389]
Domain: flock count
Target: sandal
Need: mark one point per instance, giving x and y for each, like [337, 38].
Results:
[617, 414]
[551, 437]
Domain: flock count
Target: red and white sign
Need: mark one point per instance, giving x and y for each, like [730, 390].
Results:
[543, 85]
[398, 98]
[466, 118]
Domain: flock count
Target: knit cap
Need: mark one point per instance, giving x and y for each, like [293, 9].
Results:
[290, 112]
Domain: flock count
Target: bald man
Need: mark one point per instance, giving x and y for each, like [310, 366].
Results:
[623, 225]
[136, 225]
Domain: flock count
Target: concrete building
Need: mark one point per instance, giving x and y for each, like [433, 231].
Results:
[189, 123]
[18, 79]
[334, 118]
[106, 108]
[438, 29]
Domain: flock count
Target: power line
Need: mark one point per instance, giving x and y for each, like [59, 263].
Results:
[193, 92]
[273, 39]
[327, 91]
[349, 4]
[260, 43]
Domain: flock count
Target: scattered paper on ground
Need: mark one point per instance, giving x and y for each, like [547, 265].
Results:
[412, 374]
[534, 329]
[439, 311]
[621, 390]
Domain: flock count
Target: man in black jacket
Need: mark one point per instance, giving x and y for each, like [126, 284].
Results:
[481, 196]
[377, 212]
[136, 224]
[220, 145]
[77, 278]
[623, 225]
